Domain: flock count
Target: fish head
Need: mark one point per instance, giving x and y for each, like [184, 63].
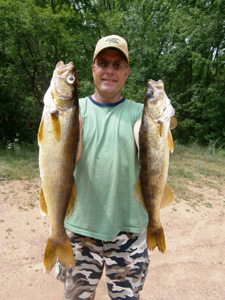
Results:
[64, 81]
[156, 101]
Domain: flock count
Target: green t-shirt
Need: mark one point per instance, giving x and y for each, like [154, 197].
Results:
[107, 171]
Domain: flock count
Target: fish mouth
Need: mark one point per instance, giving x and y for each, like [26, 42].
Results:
[62, 70]
[61, 67]
[66, 72]
[63, 81]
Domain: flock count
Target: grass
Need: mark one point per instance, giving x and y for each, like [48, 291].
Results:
[192, 169]
[19, 162]
[187, 162]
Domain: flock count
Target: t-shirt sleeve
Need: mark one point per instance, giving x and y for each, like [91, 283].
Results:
[83, 106]
[137, 110]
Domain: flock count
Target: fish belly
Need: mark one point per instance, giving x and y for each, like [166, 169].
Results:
[154, 157]
[58, 146]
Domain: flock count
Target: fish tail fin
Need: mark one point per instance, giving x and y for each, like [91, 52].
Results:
[60, 250]
[72, 200]
[156, 238]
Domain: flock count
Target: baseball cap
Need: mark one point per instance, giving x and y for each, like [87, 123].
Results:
[114, 41]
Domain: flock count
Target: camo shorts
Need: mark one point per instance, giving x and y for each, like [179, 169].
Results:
[125, 260]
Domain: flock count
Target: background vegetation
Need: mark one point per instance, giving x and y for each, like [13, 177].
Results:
[194, 171]
[182, 42]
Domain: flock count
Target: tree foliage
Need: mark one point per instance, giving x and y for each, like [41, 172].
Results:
[181, 42]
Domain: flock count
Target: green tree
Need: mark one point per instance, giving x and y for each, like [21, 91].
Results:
[181, 42]
[35, 35]
[178, 41]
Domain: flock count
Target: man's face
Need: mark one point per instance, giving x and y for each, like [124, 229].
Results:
[110, 72]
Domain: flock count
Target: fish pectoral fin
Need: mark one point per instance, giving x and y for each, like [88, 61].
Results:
[168, 197]
[137, 192]
[170, 141]
[160, 128]
[173, 123]
[40, 132]
[72, 200]
[56, 125]
[156, 238]
[43, 205]
[60, 250]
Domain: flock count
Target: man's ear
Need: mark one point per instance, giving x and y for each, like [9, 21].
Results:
[127, 72]
[93, 68]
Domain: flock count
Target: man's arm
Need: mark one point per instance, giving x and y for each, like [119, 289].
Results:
[136, 132]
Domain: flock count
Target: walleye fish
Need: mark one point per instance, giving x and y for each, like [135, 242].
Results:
[155, 141]
[58, 139]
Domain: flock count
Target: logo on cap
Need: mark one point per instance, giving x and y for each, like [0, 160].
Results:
[113, 41]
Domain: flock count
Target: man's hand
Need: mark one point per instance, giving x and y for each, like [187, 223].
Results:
[136, 132]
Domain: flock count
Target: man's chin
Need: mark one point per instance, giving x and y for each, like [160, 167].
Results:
[109, 84]
[109, 89]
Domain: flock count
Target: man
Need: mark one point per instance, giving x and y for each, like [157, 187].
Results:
[108, 225]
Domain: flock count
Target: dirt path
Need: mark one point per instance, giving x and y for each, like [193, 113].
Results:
[193, 266]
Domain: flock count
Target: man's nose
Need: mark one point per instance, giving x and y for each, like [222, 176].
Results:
[110, 68]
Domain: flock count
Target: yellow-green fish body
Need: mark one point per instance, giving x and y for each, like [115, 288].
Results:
[155, 141]
[58, 139]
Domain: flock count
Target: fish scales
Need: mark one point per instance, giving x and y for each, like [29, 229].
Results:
[58, 139]
[155, 141]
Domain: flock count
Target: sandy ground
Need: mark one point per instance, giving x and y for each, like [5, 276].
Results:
[193, 266]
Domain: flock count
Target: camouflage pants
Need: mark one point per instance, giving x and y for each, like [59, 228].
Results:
[125, 260]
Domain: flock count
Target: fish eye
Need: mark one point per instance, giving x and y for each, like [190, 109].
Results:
[149, 93]
[71, 79]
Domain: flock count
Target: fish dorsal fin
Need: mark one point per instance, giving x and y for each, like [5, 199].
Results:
[173, 123]
[170, 142]
[168, 197]
[137, 192]
[40, 132]
[56, 125]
